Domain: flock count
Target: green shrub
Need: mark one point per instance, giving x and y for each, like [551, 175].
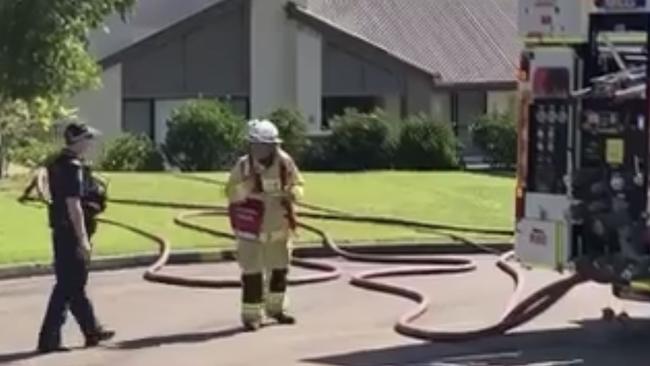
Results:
[35, 153]
[293, 130]
[361, 141]
[204, 135]
[316, 156]
[426, 144]
[35, 146]
[496, 135]
[131, 153]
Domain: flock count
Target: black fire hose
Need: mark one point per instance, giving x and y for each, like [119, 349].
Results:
[515, 315]
[152, 274]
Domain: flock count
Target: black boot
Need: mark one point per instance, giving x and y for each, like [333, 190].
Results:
[48, 343]
[51, 348]
[252, 293]
[284, 319]
[93, 340]
[275, 299]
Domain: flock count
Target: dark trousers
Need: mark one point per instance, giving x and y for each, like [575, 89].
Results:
[69, 293]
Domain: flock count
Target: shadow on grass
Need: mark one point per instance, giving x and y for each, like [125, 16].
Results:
[200, 179]
[485, 172]
[493, 173]
[594, 343]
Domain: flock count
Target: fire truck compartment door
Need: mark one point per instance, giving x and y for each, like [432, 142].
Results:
[547, 207]
[542, 243]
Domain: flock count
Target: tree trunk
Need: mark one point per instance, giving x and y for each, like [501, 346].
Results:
[4, 166]
[4, 156]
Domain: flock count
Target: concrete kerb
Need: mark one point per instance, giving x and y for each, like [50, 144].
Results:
[211, 256]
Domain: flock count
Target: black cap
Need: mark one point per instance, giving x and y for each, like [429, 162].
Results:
[75, 132]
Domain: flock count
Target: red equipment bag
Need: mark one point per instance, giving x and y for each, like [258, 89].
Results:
[246, 217]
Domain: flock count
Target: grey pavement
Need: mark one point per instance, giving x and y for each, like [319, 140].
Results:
[339, 325]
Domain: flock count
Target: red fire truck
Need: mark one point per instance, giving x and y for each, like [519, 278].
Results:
[582, 171]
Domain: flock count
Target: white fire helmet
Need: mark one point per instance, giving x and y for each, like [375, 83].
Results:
[263, 132]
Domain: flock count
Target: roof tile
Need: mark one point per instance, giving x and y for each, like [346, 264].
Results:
[465, 41]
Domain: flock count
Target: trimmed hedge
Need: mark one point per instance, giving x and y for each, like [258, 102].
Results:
[496, 135]
[293, 130]
[131, 153]
[361, 141]
[426, 144]
[204, 135]
[35, 153]
[316, 156]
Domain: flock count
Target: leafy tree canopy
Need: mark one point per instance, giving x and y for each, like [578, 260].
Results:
[44, 60]
[43, 46]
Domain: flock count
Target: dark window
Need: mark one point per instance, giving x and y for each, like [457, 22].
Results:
[138, 117]
[454, 111]
[336, 106]
[551, 82]
[466, 107]
[469, 105]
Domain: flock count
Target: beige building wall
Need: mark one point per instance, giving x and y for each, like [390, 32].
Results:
[309, 78]
[273, 65]
[102, 108]
[286, 61]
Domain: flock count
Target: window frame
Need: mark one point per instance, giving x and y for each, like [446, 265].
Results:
[377, 101]
[152, 114]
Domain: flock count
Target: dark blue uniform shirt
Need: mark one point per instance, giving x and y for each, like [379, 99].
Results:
[66, 180]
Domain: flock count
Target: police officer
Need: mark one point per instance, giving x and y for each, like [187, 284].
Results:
[261, 190]
[75, 200]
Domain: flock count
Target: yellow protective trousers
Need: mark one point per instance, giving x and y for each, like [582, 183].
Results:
[264, 265]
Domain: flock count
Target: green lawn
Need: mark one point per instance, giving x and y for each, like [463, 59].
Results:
[454, 198]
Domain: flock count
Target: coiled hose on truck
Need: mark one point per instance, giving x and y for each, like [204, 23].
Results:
[516, 314]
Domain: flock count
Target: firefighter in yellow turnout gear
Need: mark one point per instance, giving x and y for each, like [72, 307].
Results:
[262, 189]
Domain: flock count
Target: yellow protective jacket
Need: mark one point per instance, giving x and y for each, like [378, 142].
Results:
[278, 201]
